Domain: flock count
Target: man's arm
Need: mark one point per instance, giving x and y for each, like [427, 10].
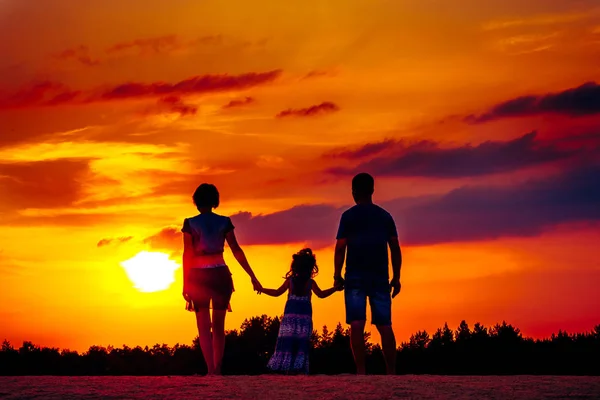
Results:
[339, 258]
[340, 249]
[396, 256]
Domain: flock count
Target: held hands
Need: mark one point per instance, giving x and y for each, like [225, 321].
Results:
[338, 283]
[395, 287]
[256, 285]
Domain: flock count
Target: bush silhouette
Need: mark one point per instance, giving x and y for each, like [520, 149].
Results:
[501, 349]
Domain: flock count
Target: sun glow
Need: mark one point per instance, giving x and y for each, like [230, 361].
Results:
[150, 271]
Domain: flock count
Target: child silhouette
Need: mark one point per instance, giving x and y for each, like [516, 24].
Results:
[293, 341]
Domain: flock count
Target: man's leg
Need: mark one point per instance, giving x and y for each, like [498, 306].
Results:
[381, 311]
[357, 338]
[356, 316]
[388, 344]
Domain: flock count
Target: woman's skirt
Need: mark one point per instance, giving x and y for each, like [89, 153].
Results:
[208, 286]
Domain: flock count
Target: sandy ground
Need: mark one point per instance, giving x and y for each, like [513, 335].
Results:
[292, 388]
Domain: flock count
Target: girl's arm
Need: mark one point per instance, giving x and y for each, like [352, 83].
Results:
[240, 256]
[276, 292]
[322, 293]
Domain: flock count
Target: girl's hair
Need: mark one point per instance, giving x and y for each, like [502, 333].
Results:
[304, 268]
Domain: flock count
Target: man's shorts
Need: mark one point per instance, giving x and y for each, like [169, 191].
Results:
[356, 292]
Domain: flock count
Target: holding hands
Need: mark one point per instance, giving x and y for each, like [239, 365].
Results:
[256, 285]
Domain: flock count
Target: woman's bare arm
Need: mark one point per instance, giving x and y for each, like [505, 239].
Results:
[188, 254]
[240, 256]
[322, 293]
[276, 292]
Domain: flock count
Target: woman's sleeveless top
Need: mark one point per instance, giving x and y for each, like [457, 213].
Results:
[208, 233]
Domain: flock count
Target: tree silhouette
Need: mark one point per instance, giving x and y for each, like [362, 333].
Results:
[501, 349]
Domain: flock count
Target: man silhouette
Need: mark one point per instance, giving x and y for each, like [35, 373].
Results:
[364, 234]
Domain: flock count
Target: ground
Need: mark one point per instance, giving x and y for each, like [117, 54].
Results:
[296, 388]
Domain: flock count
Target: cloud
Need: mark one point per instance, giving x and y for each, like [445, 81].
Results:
[428, 159]
[312, 111]
[165, 239]
[48, 93]
[365, 150]
[174, 104]
[108, 241]
[145, 46]
[579, 101]
[42, 184]
[540, 20]
[318, 74]
[194, 85]
[239, 102]
[469, 213]
[80, 54]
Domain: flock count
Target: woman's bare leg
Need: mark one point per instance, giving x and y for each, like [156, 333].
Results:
[218, 318]
[206, 342]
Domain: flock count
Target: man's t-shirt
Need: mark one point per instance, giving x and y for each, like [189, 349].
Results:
[367, 229]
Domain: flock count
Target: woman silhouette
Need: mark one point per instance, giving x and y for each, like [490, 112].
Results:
[206, 277]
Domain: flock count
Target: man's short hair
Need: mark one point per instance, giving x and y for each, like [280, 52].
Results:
[206, 195]
[363, 184]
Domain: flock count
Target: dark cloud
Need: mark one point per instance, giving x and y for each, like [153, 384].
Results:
[49, 93]
[369, 149]
[80, 54]
[428, 159]
[239, 102]
[469, 213]
[579, 101]
[312, 111]
[42, 184]
[194, 85]
[109, 241]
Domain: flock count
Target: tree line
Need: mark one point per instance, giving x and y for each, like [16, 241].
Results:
[497, 350]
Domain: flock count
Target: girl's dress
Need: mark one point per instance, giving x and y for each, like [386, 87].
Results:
[293, 341]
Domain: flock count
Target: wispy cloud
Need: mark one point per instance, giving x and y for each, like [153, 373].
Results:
[312, 111]
[239, 102]
[48, 93]
[81, 54]
[152, 45]
[108, 241]
[540, 20]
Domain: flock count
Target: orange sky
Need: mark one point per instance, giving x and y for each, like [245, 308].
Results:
[479, 121]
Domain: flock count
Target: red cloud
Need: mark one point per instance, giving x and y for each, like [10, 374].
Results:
[196, 84]
[239, 102]
[79, 54]
[323, 108]
[42, 184]
[175, 105]
[52, 93]
[167, 239]
[154, 45]
[107, 241]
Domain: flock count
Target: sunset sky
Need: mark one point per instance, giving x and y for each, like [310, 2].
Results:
[479, 120]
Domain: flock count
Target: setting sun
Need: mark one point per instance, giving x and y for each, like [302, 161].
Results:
[150, 271]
